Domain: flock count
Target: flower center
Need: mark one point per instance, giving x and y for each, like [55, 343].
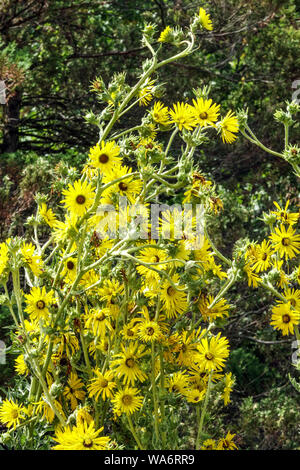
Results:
[203, 116]
[150, 331]
[40, 304]
[264, 256]
[103, 383]
[209, 356]
[130, 333]
[171, 291]
[123, 186]
[88, 443]
[103, 158]
[286, 318]
[80, 199]
[70, 265]
[127, 400]
[293, 302]
[100, 317]
[129, 362]
[285, 241]
[14, 414]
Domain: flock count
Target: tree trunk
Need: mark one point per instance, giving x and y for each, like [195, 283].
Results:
[11, 123]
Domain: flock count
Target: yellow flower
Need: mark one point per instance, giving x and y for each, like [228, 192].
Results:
[218, 310]
[229, 127]
[129, 187]
[285, 242]
[127, 401]
[69, 271]
[205, 19]
[83, 436]
[213, 353]
[229, 382]
[47, 214]
[149, 331]
[209, 444]
[29, 257]
[160, 114]
[165, 35]
[194, 396]
[206, 112]
[98, 321]
[284, 319]
[127, 364]
[178, 383]
[174, 302]
[11, 414]
[293, 296]
[38, 302]
[102, 384]
[146, 92]
[262, 256]
[79, 197]
[43, 408]
[226, 443]
[64, 230]
[284, 216]
[105, 156]
[21, 366]
[183, 116]
[73, 390]
[3, 257]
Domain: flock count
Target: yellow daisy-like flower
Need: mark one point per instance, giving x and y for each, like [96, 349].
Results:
[253, 279]
[206, 112]
[78, 197]
[145, 93]
[127, 364]
[226, 443]
[229, 382]
[83, 415]
[219, 310]
[229, 127]
[174, 302]
[83, 436]
[129, 187]
[209, 444]
[105, 156]
[43, 408]
[195, 395]
[38, 302]
[149, 331]
[21, 366]
[183, 115]
[102, 384]
[98, 321]
[262, 257]
[47, 215]
[29, 257]
[205, 19]
[285, 242]
[69, 270]
[151, 255]
[3, 257]
[165, 35]
[178, 383]
[293, 296]
[12, 414]
[213, 353]
[64, 230]
[73, 390]
[284, 318]
[285, 217]
[160, 114]
[127, 401]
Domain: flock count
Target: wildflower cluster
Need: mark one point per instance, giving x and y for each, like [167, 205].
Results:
[116, 325]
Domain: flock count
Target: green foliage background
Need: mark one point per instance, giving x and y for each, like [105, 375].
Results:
[249, 60]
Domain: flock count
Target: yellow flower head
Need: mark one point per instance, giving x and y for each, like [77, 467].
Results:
[206, 112]
[78, 197]
[83, 436]
[205, 19]
[105, 156]
[183, 115]
[229, 127]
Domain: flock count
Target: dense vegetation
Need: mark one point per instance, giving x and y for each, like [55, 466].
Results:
[52, 52]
